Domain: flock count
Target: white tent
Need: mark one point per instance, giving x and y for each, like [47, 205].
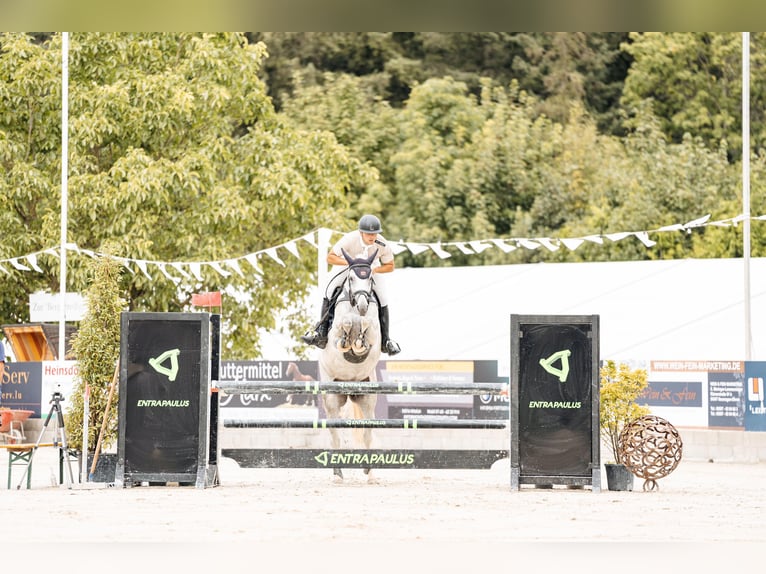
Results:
[687, 309]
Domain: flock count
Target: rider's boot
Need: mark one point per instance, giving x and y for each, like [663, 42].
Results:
[386, 345]
[318, 337]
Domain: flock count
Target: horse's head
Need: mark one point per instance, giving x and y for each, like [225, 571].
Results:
[360, 281]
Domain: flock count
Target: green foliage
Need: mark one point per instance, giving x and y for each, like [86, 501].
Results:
[175, 154]
[96, 348]
[694, 84]
[558, 68]
[620, 389]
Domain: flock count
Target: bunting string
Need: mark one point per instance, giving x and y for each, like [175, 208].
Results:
[179, 270]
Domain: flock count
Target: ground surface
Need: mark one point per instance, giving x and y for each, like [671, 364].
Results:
[435, 520]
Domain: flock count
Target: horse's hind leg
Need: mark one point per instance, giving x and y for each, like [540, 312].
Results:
[332, 406]
[364, 407]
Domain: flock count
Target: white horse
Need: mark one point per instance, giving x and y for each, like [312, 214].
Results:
[353, 348]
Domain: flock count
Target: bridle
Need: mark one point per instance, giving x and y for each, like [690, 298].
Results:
[363, 271]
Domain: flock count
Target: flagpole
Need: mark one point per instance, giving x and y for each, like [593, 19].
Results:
[323, 248]
[64, 185]
[746, 186]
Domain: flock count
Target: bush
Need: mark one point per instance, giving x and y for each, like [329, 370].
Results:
[96, 348]
[620, 387]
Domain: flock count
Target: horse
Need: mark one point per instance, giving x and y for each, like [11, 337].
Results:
[295, 374]
[353, 348]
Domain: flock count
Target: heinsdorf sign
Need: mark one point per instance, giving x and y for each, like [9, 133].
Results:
[555, 400]
[164, 398]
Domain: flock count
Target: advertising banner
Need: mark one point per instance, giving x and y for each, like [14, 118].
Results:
[429, 406]
[694, 393]
[493, 407]
[726, 400]
[755, 398]
[21, 387]
[253, 406]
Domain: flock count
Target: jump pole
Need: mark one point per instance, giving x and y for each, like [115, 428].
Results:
[402, 458]
[412, 424]
[362, 387]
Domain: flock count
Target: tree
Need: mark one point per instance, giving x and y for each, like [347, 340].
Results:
[694, 84]
[348, 107]
[176, 154]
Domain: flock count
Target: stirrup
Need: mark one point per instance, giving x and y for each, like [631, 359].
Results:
[391, 347]
[314, 338]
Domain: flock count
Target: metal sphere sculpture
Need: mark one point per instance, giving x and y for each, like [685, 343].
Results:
[651, 448]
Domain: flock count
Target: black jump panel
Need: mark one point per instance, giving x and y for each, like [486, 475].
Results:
[554, 400]
[164, 399]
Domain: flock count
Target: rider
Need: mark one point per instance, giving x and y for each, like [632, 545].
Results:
[358, 244]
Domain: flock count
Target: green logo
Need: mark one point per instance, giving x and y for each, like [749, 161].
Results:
[171, 371]
[561, 373]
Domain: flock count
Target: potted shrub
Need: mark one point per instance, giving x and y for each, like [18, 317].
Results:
[620, 388]
[96, 348]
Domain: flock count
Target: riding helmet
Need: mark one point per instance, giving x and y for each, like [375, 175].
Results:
[369, 224]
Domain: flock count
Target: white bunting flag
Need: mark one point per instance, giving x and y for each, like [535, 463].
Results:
[436, 248]
[32, 260]
[125, 263]
[309, 238]
[697, 222]
[528, 243]
[674, 227]
[572, 243]
[217, 266]
[416, 248]
[196, 269]
[292, 248]
[397, 248]
[643, 237]
[618, 236]
[164, 271]
[180, 268]
[17, 265]
[142, 266]
[463, 248]
[272, 252]
[549, 244]
[504, 247]
[478, 246]
[252, 259]
[234, 264]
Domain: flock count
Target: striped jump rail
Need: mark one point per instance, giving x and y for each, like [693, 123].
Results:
[413, 424]
[361, 387]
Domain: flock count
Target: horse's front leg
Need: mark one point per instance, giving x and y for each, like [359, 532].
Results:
[344, 342]
[361, 345]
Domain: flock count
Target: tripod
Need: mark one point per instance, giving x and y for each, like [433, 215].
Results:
[59, 437]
